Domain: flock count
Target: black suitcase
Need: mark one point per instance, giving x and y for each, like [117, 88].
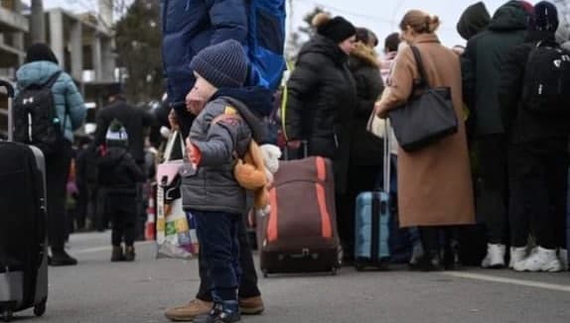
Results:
[23, 234]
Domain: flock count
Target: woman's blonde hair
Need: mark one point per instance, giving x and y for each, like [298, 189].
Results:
[420, 22]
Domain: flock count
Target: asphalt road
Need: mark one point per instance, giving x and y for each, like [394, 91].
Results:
[100, 291]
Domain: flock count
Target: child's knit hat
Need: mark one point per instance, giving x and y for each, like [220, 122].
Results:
[222, 65]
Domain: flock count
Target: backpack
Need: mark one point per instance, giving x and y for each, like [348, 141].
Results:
[546, 80]
[35, 118]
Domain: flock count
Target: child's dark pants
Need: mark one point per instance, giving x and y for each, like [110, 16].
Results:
[122, 209]
[219, 245]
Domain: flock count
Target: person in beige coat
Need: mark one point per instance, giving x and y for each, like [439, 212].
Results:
[434, 183]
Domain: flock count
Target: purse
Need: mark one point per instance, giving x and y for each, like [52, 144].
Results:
[426, 118]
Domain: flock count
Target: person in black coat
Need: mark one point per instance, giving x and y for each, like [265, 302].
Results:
[322, 102]
[538, 155]
[136, 121]
[367, 151]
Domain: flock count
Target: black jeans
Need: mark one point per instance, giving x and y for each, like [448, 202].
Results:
[122, 212]
[539, 184]
[219, 252]
[248, 282]
[494, 188]
[57, 172]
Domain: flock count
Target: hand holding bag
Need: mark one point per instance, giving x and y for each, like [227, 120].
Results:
[426, 118]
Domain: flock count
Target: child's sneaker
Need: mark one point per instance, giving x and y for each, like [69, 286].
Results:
[117, 254]
[227, 312]
[541, 260]
[495, 256]
[563, 256]
[517, 255]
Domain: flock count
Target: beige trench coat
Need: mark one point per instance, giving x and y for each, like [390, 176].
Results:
[434, 183]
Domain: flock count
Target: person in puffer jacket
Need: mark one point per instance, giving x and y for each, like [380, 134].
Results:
[41, 64]
[222, 131]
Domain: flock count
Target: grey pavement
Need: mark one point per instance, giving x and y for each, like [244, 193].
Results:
[100, 291]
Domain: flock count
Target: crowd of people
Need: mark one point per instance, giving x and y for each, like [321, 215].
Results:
[504, 169]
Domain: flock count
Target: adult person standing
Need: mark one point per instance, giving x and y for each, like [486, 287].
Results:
[41, 65]
[189, 27]
[434, 183]
[481, 65]
[538, 128]
[321, 105]
[366, 157]
[136, 121]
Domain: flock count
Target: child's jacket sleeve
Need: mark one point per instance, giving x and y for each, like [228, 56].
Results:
[226, 135]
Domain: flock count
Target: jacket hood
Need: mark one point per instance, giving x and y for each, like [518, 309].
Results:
[258, 99]
[510, 17]
[473, 20]
[363, 54]
[324, 46]
[253, 119]
[35, 73]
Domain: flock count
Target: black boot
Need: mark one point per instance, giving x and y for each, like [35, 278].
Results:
[61, 258]
[117, 254]
[130, 253]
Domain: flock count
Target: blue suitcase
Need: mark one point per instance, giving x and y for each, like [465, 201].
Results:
[372, 221]
[372, 230]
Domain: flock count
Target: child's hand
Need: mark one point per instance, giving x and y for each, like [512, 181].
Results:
[193, 153]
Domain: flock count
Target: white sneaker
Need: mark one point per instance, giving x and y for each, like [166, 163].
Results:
[517, 255]
[542, 260]
[563, 257]
[495, 256]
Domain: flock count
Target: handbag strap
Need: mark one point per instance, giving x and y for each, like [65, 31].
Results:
[421, 69]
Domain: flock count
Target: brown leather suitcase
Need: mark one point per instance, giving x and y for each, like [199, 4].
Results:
[300, 235]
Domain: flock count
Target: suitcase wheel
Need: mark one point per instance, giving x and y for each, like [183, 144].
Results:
[40, 309]
[7, 315]
[334, 271]
[265, 274]
[359, 266]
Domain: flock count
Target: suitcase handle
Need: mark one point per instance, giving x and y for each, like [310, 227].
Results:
[9, 88]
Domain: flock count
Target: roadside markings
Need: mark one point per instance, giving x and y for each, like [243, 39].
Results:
[510, 281]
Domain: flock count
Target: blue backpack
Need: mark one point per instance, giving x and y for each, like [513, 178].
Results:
[266, 40]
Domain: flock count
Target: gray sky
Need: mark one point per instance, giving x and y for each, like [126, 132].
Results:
[382, 16]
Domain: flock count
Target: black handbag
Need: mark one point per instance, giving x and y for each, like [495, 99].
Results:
[425, 118]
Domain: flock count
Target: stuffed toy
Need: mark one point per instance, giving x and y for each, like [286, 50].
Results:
[255, 171]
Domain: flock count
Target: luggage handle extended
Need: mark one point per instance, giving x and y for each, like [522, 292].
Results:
[304, 146]
[11, 93]
[386, 172]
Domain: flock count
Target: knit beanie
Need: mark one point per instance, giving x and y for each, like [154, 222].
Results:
[40, 52]
[117, 135]
[222, 65]
[544, 17]
[336, 29]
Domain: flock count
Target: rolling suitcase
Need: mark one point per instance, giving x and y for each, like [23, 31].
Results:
[23, 234]
[300, 235]
[372, 222]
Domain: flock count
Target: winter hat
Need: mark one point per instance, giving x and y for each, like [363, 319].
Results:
[527, 6]
[337, 29]
[473, 20]
[40, 52]
[117, 134]
[544, 17]
[222, 65]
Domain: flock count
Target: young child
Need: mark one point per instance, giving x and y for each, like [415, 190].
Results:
[221, 133]
[118, 175]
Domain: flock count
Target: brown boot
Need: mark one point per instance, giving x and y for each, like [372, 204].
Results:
[117, 254]
[130, 253]
[188, 313]
[251, 305]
